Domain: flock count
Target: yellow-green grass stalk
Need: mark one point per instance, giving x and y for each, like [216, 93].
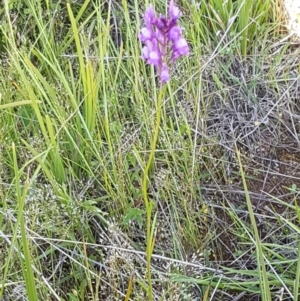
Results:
[103, 44]
[261, 267]
[89, 83]
[56, 160]
[17, 104]
[46, 36]
[28, 273]
[297, 278]
[244, 17]
[106, 90]
[29, 91]
[129, 288]
[69, 37]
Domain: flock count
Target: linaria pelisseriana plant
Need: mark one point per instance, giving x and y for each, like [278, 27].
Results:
[163, 45]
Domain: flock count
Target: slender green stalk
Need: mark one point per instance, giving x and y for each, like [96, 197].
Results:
[149, 204]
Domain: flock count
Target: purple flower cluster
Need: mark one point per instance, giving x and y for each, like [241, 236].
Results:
[163, 40]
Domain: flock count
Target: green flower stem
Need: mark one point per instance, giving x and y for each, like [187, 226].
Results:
[149, 204]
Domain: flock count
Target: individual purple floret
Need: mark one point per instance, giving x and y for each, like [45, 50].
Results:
[162, 39]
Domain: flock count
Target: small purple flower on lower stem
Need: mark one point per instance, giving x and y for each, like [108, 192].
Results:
[163, 40]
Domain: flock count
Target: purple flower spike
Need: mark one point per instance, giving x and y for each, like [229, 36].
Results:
[163, 41]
